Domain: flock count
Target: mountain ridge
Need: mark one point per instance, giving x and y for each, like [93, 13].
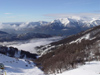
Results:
[62, 26]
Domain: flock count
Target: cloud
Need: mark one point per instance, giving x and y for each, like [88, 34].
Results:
[31, 44]
[7, 13]
[65, 15]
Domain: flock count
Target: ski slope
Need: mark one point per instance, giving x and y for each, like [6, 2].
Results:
[91, 68]
[14, 66]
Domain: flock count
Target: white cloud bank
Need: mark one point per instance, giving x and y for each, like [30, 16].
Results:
[31, 44]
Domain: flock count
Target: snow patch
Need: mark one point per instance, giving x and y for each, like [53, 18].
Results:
[91, 68]
[87, 36]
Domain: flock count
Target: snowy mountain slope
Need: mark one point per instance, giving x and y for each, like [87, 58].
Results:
[70, 52]
[15, 66]
[90, 68]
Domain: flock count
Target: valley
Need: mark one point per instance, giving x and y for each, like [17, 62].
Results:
[30, 45]
[59, 47]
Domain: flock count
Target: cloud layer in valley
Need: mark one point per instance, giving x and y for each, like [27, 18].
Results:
[31, 44]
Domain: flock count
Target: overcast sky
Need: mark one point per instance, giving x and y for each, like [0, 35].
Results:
[45, 10]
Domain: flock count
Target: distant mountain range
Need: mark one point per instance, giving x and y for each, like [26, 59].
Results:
[64, 26]
[42, 29]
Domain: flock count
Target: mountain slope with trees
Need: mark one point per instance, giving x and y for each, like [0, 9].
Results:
[71, 52]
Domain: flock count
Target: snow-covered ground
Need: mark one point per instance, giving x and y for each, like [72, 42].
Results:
[91, 68]
[14, 66]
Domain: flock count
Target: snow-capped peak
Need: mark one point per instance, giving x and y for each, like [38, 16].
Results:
[79, 20]
[64, 21]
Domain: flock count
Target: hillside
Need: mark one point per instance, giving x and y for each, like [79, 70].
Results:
[14, 52]
[21, 37]
[70, 52]
[2, 32]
